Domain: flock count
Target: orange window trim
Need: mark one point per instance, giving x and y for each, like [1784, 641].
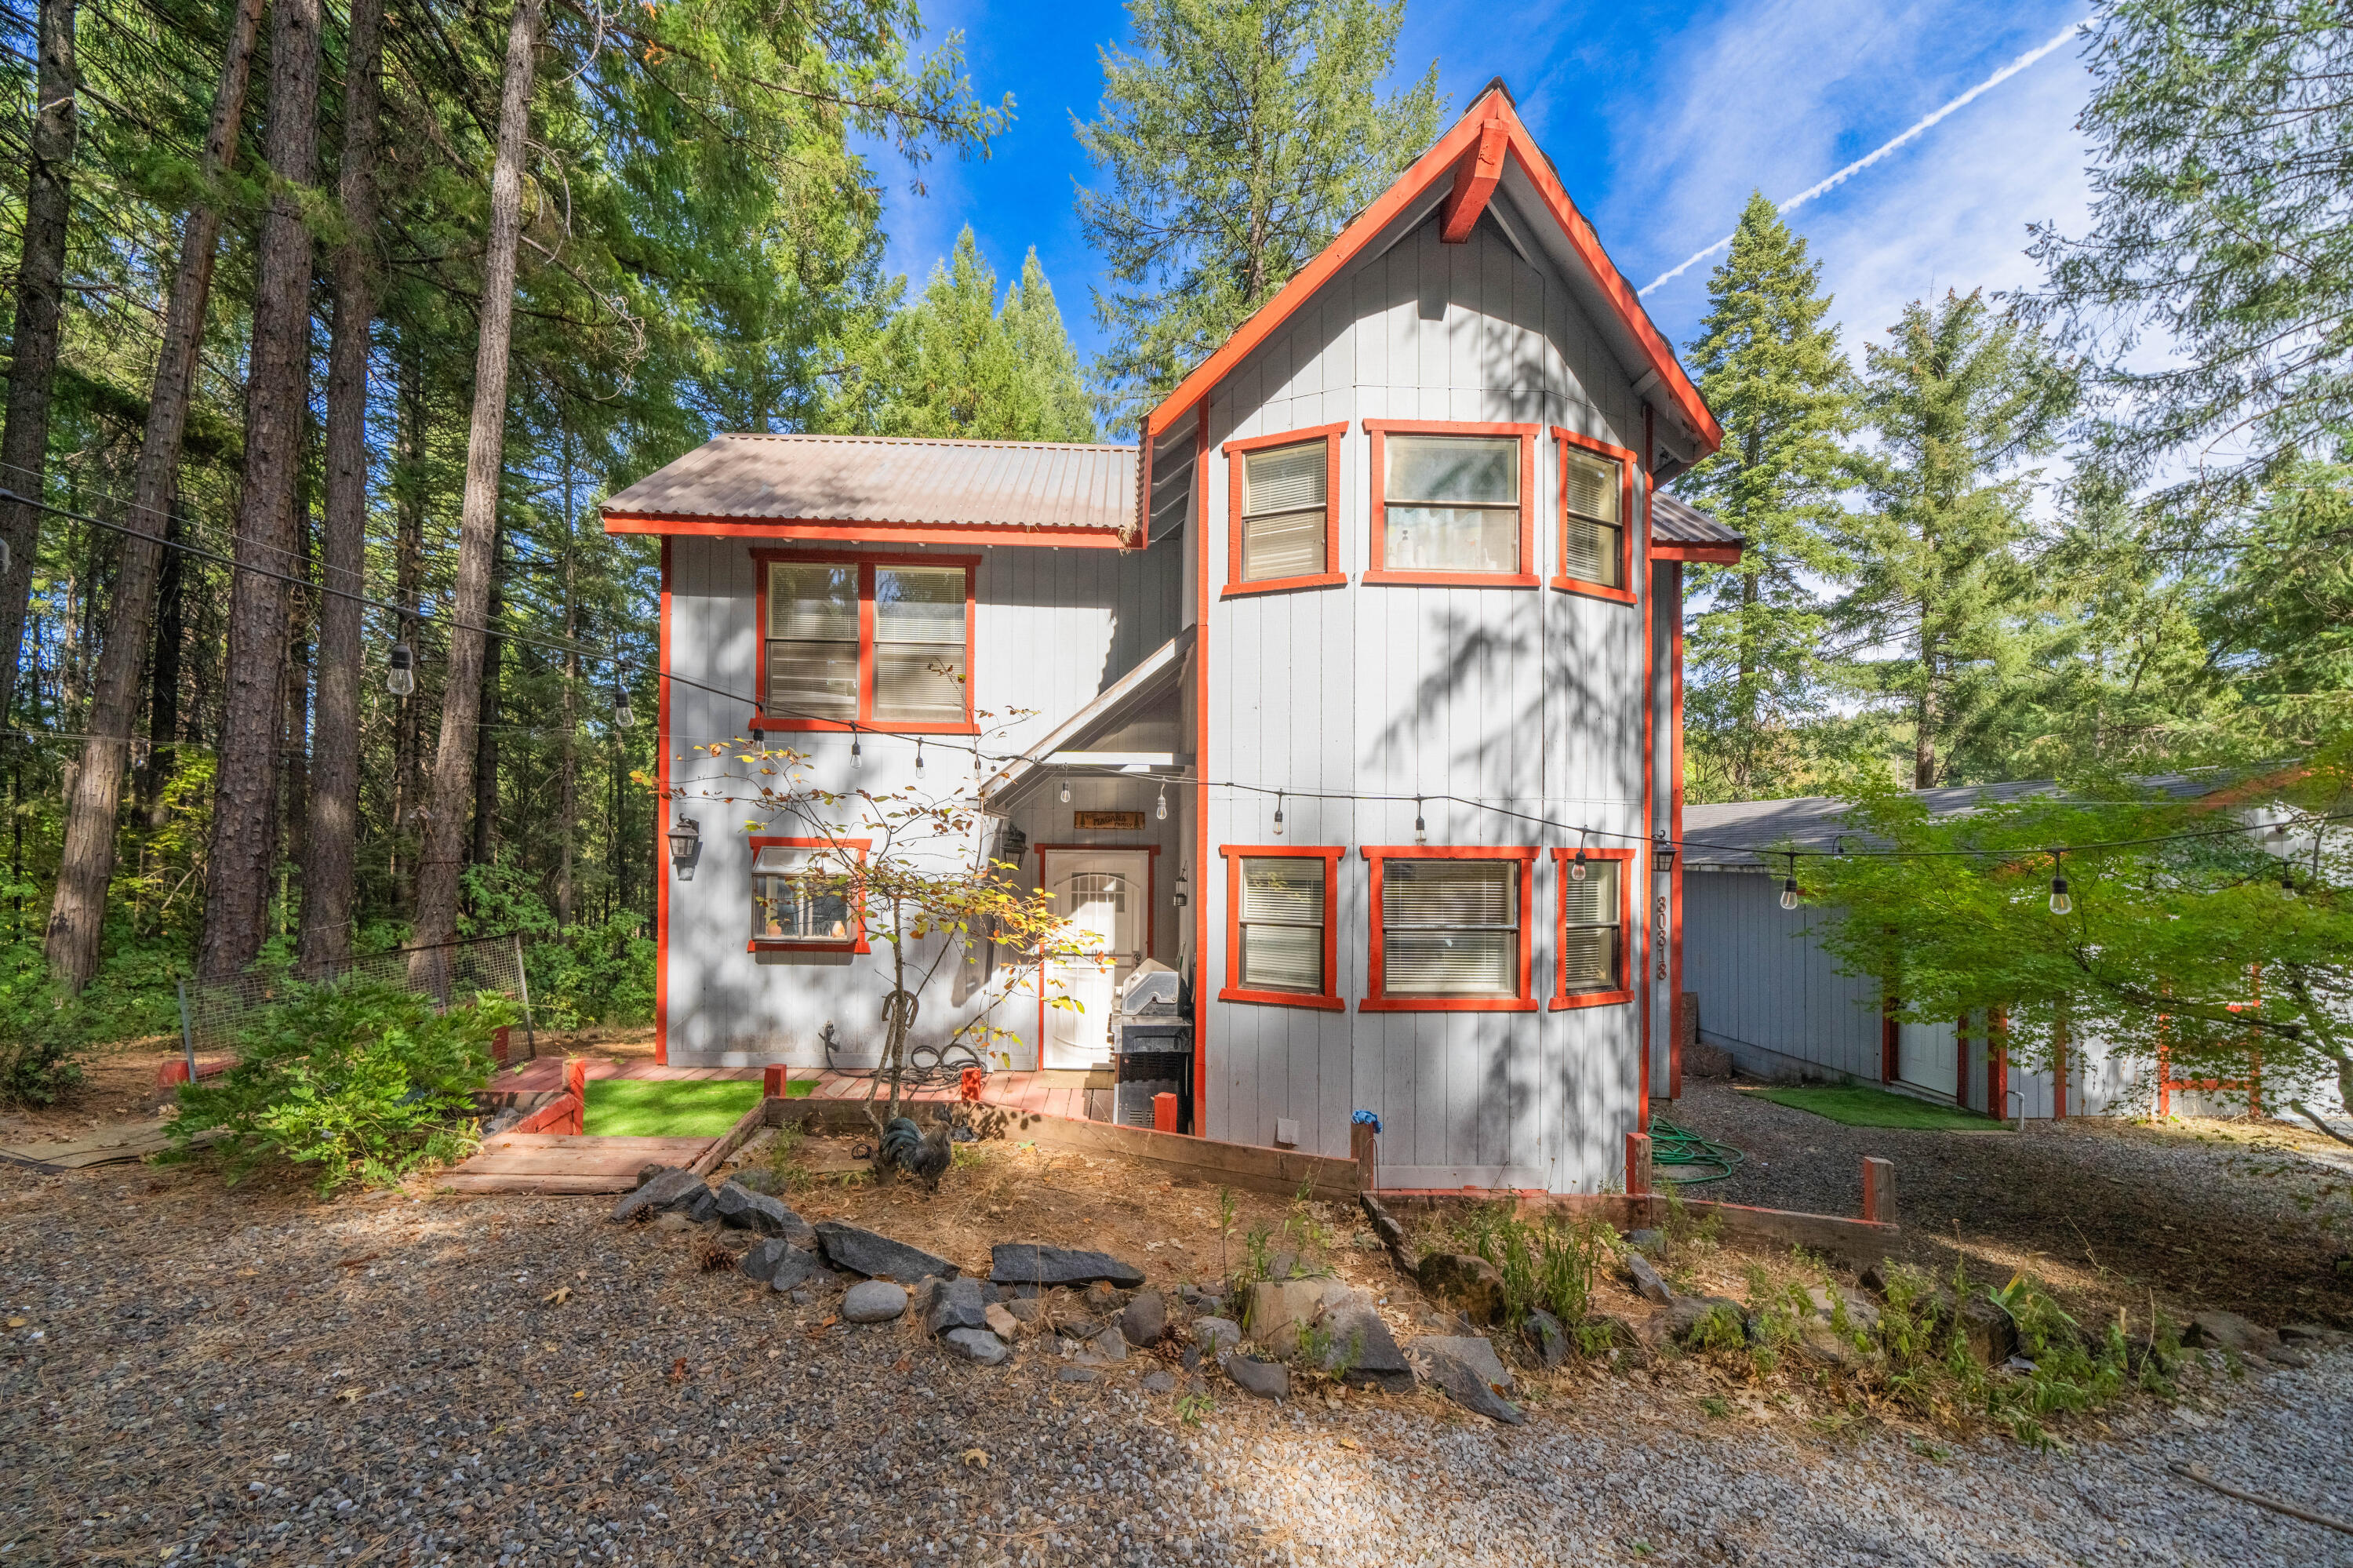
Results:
[1328, 999]
[1627, 522]
[1377, 855]
[1562, 997]
[1333, 573]
[1375, 572]
[857, 943]
[865, 562]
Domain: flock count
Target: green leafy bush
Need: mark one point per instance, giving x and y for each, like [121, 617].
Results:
[38, 1063]
[1550, 1265]
[365, 1080]
[599, 974]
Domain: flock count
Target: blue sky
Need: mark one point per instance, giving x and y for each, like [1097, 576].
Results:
[1660, 119]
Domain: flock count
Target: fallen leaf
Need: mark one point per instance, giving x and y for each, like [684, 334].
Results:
[1350, 1443]
[18, 1322]
[580, 1393]
[349, 1396]
[678, 1370]
[557, 1296]
[902, 1364]
[976, 1457]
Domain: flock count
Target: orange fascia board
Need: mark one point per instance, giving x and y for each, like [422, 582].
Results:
[879, 533]
[1716, 555]
[1440, 163]
[1475, 177]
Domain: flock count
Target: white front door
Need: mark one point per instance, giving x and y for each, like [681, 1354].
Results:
[1927, 1056]
[1104, 893]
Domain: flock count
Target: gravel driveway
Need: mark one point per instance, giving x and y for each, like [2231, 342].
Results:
[253, 1378]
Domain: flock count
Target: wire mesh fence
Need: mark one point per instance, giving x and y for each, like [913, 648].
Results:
[212, 1015]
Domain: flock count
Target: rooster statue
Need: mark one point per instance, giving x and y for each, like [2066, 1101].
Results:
[922, 1155]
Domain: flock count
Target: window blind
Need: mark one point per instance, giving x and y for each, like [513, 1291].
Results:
[919, 645]
[1592, 547]
[812, 655]
[1283, 513]
[1449, 928]
[1592, 943]
[1281, 920]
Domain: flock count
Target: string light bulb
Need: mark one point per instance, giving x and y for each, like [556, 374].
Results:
[1066, 791]
[1577, 866]
[1421, 828]
[856, 758]
[400, 679]
[2287, 878]
[1790, 887]
[2060, 903]
[1160, 811]
[623, 715]
[1278, 813]
[919, 754]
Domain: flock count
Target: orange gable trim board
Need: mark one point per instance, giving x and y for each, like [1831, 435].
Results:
[1461, 146]
[1475, 176]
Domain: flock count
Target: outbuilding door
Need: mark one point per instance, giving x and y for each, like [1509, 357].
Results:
[1107, 895]
[1928, 1058]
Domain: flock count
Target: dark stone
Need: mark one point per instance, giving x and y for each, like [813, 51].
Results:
[1464, 1385]
[1362, 1352]
[757, 1178]
[1026, 1308]
[645, 1173]
[1547, 1338]
[1160, 1383]
[877, 1257]
[1284, 1265]
[1100, 1297]
[1649, 1283]
[761, 1262]
[1025, 1292]
[797, 1269]
[1076, 1374]
[658, 1194]
[1266, 1379]
[1648, 1241]
[1216, 1335]
[1385, 1225]
[1145, 1319]
[1191, 1358]
[1473, 1351]
[2229, 1331]
[699, 1205]
[976, 1345]
[1033, 1263]
[745, 1210]
[1708, 1322]
[958, 1304]
[1471, 1284]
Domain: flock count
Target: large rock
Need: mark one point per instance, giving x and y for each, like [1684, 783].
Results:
[1216, 1336]
[877, 1257]
[1707, 1322]
[745, 1210]
[958, 1304]
[1464, 1385]
[1471, 1285]
[2229, 1331]
[873, 1301]
[757, 1178]
[662, 1193]
[1861, 1311]
[1033, 1263]
[1357, 1347]
[976, 1345]
[1278, 1309]
[1545, 1336]
[796, 1267]
[1475, 1352]
[761, 1261]
[1266, 1379]
[1649, 1283]
[1145, 1320]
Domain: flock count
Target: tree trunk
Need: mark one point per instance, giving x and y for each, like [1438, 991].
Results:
[437, 870]
[486, 727]
[78, 912]
[1923, 715]
[40, 308]
[567, 787]
[330, 871]
[277, 398]
[163, 681]
[408, 565]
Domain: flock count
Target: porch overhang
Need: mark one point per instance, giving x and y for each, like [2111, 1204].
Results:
[1158, 678]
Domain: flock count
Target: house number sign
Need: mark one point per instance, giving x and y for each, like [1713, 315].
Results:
[1108, 821]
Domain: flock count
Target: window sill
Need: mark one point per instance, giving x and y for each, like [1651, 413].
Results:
[1446, 1004]
[794, 944]
[1284, 998]
[1591, 999]
[861, 726]
[1590, 590]
[1384, 577]
[1284, 585]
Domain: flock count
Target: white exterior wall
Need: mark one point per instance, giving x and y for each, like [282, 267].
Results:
[1052, 627]
[1529, 699]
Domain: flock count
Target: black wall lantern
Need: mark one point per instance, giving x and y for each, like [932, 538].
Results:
[685, 840]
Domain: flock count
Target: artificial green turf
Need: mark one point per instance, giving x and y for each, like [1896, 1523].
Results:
[799, 1088]
[1857, 1105]
[667, 1108]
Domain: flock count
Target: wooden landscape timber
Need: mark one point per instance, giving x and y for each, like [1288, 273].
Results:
[728, 1142]
[566, 1162]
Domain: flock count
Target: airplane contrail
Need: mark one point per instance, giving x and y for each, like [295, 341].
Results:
[1916, 129]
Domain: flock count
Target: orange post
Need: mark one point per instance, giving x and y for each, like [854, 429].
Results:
[969, 1082]
[772, 1081]
[1637, 1164]
[1878, 1190]
[576, 1083]
[1164, 1110]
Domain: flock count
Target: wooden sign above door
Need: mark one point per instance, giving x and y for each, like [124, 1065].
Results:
[1108, 821]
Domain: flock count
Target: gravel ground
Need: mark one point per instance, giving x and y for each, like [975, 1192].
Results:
[253, 1378]
[2214, 1214]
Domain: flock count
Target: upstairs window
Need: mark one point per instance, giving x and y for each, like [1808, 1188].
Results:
[883, 642]
[803, 896]
[1282, 510]
[1455, 504]
[1596, 921]
[1597, 494]
[1449, 932]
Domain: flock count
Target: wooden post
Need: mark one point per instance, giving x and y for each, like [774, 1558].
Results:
[1164, 1111]
[576, 1083]
[1364, 1148]
[1878, 1190]
[1638, 1165]
[772, 1081]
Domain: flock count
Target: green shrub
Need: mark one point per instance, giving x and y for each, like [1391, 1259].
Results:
[365, 1080]
[38, 1063]
[599, 974]
[1549, 1265]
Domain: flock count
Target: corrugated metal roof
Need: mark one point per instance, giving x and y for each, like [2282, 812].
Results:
[1731, 833]
[890, 479]
[1674, 521]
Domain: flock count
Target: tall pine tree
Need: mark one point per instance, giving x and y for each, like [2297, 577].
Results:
[1960, 397]
[1771, 370]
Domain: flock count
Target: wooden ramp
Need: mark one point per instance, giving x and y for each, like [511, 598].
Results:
[568, 1162]
[108, 1146]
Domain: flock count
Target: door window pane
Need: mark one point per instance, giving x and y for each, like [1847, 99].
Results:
[1449, 928]
[1452, 503]
[1281, 920]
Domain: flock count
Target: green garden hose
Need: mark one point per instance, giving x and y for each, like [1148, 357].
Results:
[1673, 1145]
